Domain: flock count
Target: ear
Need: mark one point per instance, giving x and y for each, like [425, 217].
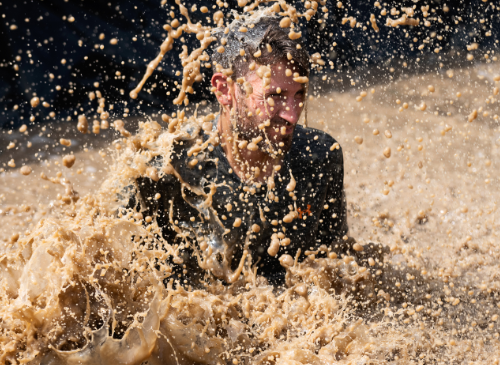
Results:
[222, 89]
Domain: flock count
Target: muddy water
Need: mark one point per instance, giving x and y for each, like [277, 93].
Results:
[81, 284]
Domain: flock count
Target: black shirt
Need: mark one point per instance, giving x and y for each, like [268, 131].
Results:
[319, 192]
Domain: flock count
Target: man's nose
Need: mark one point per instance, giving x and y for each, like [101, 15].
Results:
[290, 111]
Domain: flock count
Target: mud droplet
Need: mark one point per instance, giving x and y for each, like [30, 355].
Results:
[25, 170]
[69, 161]
[357, 247]
[83, 124]
[65, 142]
[285, 22]
[35, 102]
[255, 228]
[472, 116]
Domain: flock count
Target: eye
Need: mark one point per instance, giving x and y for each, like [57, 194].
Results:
[300, 94]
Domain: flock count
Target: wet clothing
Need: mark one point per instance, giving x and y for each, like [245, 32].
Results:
[320, 201]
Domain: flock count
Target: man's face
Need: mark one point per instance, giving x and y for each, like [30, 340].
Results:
[271, 112]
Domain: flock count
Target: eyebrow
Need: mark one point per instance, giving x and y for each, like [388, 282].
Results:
[273, 90]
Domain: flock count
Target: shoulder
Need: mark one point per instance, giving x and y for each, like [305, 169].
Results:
[315, 146]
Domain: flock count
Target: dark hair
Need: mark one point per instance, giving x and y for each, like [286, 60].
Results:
[265, 31]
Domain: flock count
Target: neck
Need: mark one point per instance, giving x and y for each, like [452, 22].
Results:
[250, 166]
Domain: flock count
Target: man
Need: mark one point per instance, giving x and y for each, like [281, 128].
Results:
[279, 185]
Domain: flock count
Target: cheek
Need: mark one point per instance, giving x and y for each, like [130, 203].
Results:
[261, 105]
[270, 112]
[265, 108]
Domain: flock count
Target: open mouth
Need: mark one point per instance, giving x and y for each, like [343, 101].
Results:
[288, 129]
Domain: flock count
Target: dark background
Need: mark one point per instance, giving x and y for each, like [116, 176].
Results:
[44, 37]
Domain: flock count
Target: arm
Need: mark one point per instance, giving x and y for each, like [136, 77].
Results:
[139, 197]
[333, 219]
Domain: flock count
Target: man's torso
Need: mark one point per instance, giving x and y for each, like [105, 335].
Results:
[239, 214]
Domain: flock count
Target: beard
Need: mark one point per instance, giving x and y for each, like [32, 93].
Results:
[247, 128]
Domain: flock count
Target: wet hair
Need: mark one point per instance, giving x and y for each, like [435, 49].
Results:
[265, 30]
